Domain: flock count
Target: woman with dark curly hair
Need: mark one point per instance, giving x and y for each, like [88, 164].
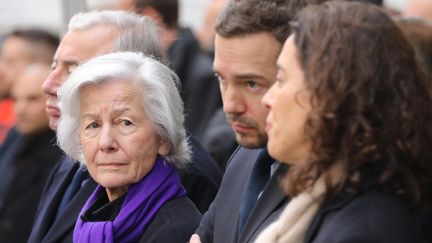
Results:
[351, 113]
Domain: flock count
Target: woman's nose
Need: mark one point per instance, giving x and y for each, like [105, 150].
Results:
[107, 140]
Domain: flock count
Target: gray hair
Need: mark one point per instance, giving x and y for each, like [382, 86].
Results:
[136, 33]
[159, 91]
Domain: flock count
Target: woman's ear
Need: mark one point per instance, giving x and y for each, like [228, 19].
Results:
[165, 147]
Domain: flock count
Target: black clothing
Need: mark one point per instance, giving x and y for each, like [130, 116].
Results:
[32, 163]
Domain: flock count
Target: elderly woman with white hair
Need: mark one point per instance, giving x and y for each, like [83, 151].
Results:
[122, 116]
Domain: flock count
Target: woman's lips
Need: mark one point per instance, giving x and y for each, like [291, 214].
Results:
[111, 164]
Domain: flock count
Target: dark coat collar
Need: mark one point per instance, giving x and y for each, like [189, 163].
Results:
[336, 204]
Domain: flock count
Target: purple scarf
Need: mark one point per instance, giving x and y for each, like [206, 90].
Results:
[142, 202]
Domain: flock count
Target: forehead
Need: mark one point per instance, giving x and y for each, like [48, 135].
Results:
[251, 53]
[110, 91]
[14, 46]
[81, 45]
[30, 81]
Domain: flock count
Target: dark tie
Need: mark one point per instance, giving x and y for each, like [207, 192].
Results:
[80, 175]
[257, 180]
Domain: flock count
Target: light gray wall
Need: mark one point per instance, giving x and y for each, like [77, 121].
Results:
[54, 14]
[30, 13]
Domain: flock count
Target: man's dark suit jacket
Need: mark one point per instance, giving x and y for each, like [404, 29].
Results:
[202, 174]
[220, 223]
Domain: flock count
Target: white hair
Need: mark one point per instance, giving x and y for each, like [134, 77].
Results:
[157, 84]
[136, 33]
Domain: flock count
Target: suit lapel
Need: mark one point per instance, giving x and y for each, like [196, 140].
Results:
[66, 222]
[271, 199]
[51, 198]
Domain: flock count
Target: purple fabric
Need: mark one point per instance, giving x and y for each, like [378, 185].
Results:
[140, 205]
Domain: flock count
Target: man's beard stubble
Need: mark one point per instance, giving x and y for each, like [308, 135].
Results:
[257, 140]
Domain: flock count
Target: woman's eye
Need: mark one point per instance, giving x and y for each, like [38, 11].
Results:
[92, 125]
[126, 122]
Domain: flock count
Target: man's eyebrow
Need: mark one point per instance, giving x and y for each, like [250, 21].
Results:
[249, 76]
[70, 62]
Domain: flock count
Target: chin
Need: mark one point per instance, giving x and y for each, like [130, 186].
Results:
[251, 142]
[274, 152]
[113, 182]
[53, 124]
[115, 185]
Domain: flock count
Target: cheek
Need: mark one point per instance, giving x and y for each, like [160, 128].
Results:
[89, 148]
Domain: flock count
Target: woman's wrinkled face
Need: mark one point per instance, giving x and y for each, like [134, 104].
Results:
[289, 104]
[118, 138]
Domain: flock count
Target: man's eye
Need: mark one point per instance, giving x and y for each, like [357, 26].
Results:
[71, 68]
[251, 84]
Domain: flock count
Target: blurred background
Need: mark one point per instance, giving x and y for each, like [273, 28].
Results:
[54, 14]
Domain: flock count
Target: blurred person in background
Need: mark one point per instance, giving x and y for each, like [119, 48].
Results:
[207, 32]
[30, 152]
[419, 9]
[199, 88]
[350, 113]
[20, 48]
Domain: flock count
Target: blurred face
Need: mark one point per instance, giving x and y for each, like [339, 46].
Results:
[75, 48]
[29, 101]
[206, 34]
[117, 137]
[289, 105]
[419, 9]
[245, 67]
[125, 4]
[13, 59]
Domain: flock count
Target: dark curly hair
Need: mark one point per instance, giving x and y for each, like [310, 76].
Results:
[371, 104]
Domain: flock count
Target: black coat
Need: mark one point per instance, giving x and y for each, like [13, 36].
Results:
[220, 222]
[201, 178]
[369, 216]
[175, 222]
[32, 163]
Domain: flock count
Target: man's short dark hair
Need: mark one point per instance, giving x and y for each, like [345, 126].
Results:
[244, 17]
[43, 42]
